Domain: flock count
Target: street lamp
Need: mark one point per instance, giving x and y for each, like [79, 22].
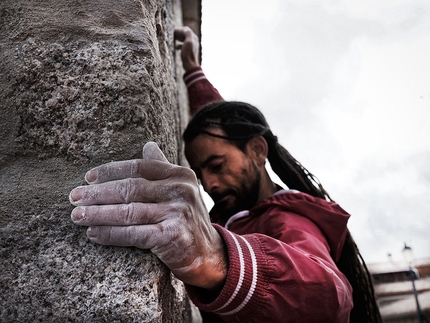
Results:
[413, 275]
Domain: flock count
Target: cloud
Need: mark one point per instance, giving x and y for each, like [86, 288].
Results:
[346, 88]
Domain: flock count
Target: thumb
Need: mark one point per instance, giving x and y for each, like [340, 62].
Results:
[151, 152]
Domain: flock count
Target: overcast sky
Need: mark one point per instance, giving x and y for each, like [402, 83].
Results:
[345, 85]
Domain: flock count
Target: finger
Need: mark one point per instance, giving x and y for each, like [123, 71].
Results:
[179, 33]
[149, 169]
[141, 236]
[115, 192]
[151, 151]
[134, 190]
[121, 215]
[113, 171]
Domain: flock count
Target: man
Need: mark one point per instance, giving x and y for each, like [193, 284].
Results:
[269, 256]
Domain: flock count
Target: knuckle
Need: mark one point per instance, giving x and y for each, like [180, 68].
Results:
[131, 236]
[185, 209]
[187, 30]
[135, 168]
[165, 234]
[190, 192]
[127, 191]
[171, 230]
[184, 192]
[185, 174]
[130, 214]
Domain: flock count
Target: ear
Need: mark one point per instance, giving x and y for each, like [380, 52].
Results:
[258, 149]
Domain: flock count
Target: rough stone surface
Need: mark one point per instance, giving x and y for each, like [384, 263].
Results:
[81, 83]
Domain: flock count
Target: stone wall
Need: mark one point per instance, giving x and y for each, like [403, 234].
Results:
[81, 83]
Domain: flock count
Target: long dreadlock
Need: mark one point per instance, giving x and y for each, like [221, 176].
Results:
[241, 122]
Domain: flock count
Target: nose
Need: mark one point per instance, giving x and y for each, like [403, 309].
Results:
[210, 182]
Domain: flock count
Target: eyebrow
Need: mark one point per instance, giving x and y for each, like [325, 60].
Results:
[204, 164]
[210, 159]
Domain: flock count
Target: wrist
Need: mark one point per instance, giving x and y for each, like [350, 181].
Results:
[208, 272]
[211, 277]
[190, 65]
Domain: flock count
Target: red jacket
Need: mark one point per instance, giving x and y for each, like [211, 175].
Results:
[281, 254]
[200, 91]
[281, 263]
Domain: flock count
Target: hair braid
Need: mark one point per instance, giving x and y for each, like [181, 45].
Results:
[352, 265]
[291, 171]
[241, 122]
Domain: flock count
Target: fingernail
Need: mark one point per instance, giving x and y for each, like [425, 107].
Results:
[78, 214]
[76, 195]
[91, 232]
[91, 176]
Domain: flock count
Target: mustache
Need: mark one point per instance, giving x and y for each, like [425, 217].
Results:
[217, 196]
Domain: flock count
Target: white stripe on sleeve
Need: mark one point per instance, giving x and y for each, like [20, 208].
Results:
[253, 283]
[195, 80]
[242, 273]
[186, 78]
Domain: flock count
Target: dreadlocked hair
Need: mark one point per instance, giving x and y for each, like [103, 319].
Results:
[241, 122]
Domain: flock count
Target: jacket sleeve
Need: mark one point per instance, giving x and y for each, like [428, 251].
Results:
[271, 281]
[200, 91]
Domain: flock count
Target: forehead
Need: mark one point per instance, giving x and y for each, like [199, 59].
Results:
[204, 146]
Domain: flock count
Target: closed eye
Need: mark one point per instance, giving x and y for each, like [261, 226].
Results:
[216, 168]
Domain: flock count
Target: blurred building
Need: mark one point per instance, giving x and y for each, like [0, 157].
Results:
[398, 286]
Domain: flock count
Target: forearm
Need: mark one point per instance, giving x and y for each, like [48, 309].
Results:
[200, 91]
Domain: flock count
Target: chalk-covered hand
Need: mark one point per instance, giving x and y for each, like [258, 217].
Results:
[189, 44]
[152, 204]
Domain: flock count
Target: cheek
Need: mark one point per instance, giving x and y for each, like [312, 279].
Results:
[239, 177]
[251, 176]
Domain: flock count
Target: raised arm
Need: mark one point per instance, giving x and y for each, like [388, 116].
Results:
[200, 91]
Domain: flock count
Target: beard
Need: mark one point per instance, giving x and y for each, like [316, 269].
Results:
[244, 197]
